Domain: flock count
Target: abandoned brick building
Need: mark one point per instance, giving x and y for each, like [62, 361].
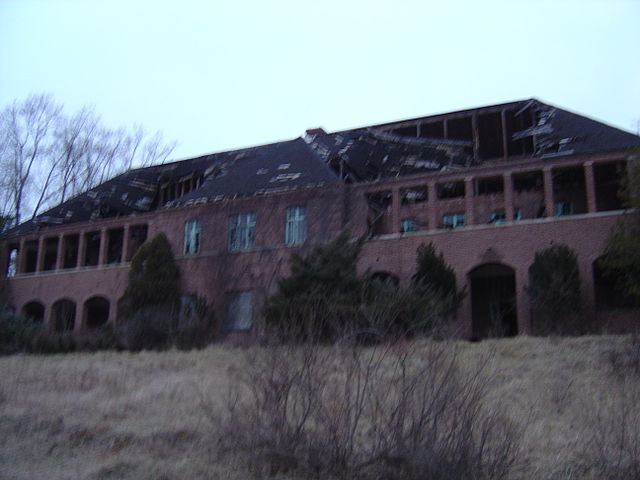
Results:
[488, 186]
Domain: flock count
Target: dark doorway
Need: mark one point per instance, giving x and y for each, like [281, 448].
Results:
[96, 312]
[493, 301]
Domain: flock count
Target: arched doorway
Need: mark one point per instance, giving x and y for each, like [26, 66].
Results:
[63, 315]
[493, 301]
[96, 312]
[34, 311]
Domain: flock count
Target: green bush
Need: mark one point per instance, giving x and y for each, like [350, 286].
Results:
[148, 307]
[554, 290]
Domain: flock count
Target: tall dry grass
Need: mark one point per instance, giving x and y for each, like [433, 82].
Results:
[154, 415]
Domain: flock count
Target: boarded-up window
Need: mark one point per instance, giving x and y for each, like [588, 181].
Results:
[240, 311]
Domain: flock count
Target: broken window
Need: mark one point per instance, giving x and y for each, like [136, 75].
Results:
[489, 186]
[410, 131]
[137, 236]
[92, 249]
[432, 129]
[50, 253]
[63, 315]
[608, 183]
[408, 225]
[31, 256]
[498, 216]
[239, 312]
[450, 190]
[460, 128]
[517, 122]
[295, 231]
[569, 190]
[490, 135]
[453, 220]
[96, 312]
[115, 238]
[528, 181]
[70, 254]
[242, 231]
[192, 229]
[563, 208]
[413, 195]
[379, 203]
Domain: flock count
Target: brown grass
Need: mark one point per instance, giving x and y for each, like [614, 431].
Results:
[149, 415]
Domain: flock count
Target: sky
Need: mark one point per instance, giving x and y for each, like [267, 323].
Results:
[220, 75]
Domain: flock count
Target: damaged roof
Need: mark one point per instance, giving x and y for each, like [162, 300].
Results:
[456, 140]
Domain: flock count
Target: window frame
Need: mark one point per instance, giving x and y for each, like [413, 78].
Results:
[458, 220]
[192, 236]
[295, 231]
[242, 231]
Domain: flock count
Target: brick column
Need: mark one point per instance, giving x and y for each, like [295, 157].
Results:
[125, 244]
[432, 205]
[395, 210]
[40, 257]
[507, 189]
[22, 257]
[468, 201]
[590, 187]
[82, 243]
[548, 191]
[60, 253]
[102, 255]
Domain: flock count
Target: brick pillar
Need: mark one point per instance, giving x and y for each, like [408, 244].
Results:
[82, 243]
[590, 187]
[468, 201]
[102, 255]
[432, 205]
[507, 188]
[22, 257]
[395, 210]
[547, 175]
[77, 322]
[60, 253]
[40, 257]
[125, 245]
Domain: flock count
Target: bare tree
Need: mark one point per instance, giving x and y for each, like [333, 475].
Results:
[48, 157]
[26, 130]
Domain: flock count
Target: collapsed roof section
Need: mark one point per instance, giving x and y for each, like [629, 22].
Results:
[527, 128]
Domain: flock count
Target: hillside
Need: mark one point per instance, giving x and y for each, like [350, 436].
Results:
[155, 415]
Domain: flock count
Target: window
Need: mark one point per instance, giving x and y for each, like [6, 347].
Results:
[564, 208]
[192, 230]
[408, 225]
[498, 216]
[242, 231]
[240, 311]
[453, 220]
[295, 232]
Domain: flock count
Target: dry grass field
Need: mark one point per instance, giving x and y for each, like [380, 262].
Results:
[151, 415]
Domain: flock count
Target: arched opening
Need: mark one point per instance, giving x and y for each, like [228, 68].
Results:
[96, 312]
[34, 311]
[63, 315]
[608, 294]
[493, 301]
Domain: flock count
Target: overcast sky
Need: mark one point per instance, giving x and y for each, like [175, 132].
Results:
[223, 75]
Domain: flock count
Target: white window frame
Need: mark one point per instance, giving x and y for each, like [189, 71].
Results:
[242, 231]
[192, 235]
[296, 226]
